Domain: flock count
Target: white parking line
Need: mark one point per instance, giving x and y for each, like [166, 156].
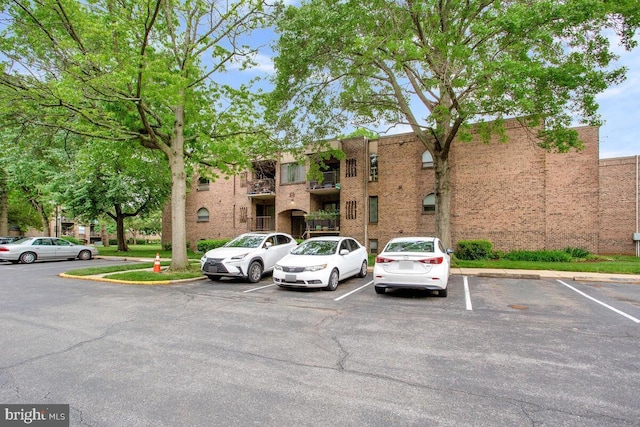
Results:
[261, 287]
[353, 291]
[622, 313]
[467, 294]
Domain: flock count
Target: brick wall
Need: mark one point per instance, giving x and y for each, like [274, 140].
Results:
[514, 194]
[618, 192]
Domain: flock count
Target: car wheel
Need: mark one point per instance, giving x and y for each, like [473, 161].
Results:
[215, 278]
[255, 272]
[27, 257]
[84, 255]
[363, 269]
[380, 290]
[442, 293]
[333, 280]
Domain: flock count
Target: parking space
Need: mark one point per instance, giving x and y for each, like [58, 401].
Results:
[472, 294]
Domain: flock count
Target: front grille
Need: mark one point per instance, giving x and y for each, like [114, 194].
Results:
[293, 269]
[214, 266]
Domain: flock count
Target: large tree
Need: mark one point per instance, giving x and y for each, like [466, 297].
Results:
[116, 180]
[440, 65]
[145, 72]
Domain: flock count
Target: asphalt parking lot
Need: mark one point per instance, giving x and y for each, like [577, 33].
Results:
[499, 352]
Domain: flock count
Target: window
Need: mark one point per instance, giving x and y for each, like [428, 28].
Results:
[351, 209]
[352, 169]
[243, 214]
[373, 209]
[292, 172]
[429, 203]
[203, 184]
[203, 215]
[373, 246]
[373, 167]
[427, 160]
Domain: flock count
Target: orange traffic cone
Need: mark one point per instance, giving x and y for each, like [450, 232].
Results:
[156, 264]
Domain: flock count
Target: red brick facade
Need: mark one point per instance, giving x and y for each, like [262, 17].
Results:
[514, 194]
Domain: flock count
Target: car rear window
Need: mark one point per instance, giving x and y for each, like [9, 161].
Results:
[414, 246]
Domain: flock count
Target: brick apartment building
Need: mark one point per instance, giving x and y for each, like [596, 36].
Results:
[515, 194]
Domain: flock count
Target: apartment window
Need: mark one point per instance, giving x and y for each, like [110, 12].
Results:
[373, 209]
[203, 184]
[373, 246]
[352, 169]
[243, 215]
[352, 209]
[292, 172]
[203, 215]
[373, 167]
[429, 203]
[427, 160]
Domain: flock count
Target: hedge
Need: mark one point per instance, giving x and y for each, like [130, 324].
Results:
[206, 245]
[474, 249]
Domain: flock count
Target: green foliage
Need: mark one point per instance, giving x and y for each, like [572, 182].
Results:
[473, 249]
[71, 239]
[538, 256]
[578, 253]
[207, 245]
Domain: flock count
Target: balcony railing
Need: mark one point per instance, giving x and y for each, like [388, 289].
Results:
[261, 187]
[330, 181]
[262, 223]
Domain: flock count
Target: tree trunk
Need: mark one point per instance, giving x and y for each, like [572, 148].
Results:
[443, 198]
[179, 259]
[122, 242]
[104, 236]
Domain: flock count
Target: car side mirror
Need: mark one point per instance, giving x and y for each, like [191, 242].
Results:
[344, 251]
[449, 251]
[268, 245]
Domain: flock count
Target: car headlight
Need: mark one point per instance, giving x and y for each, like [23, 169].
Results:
[238, 257]
[203, 259]
[315, 267]
[277, 267]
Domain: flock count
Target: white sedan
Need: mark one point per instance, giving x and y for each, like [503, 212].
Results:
[248, 256]
[30, 249]
[321, 262]
[413, 263]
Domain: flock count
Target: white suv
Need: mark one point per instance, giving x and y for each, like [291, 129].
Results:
[248, 256]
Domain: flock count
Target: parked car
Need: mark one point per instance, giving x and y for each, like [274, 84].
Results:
[30, 249]
[321, 262]
[413, 263]
[249, 256]
[8, 239]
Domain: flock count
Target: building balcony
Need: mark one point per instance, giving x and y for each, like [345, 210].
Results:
[329, 185]
[323, 227]
[262, 188]
[262, 223]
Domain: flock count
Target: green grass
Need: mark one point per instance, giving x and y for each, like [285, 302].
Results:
[150, 276]
[614, 264]
[142, 251]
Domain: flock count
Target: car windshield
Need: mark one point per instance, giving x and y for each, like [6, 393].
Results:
[316, 247]
[245, 242]
[412, 246]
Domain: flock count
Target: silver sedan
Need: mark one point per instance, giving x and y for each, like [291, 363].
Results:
[30, 249]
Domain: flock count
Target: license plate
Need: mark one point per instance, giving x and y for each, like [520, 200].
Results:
[290, 278]
[212, 269]
[406, 265]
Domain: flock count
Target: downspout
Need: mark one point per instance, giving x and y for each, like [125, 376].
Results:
[367, 165]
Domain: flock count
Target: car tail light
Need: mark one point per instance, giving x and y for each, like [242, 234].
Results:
[383, 260]
[437, 260]
[3, 249]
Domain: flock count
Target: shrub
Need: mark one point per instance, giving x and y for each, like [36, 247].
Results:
[206, 245]
[474, 249]
[71, 239]
[545, 256]
[577, 252]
